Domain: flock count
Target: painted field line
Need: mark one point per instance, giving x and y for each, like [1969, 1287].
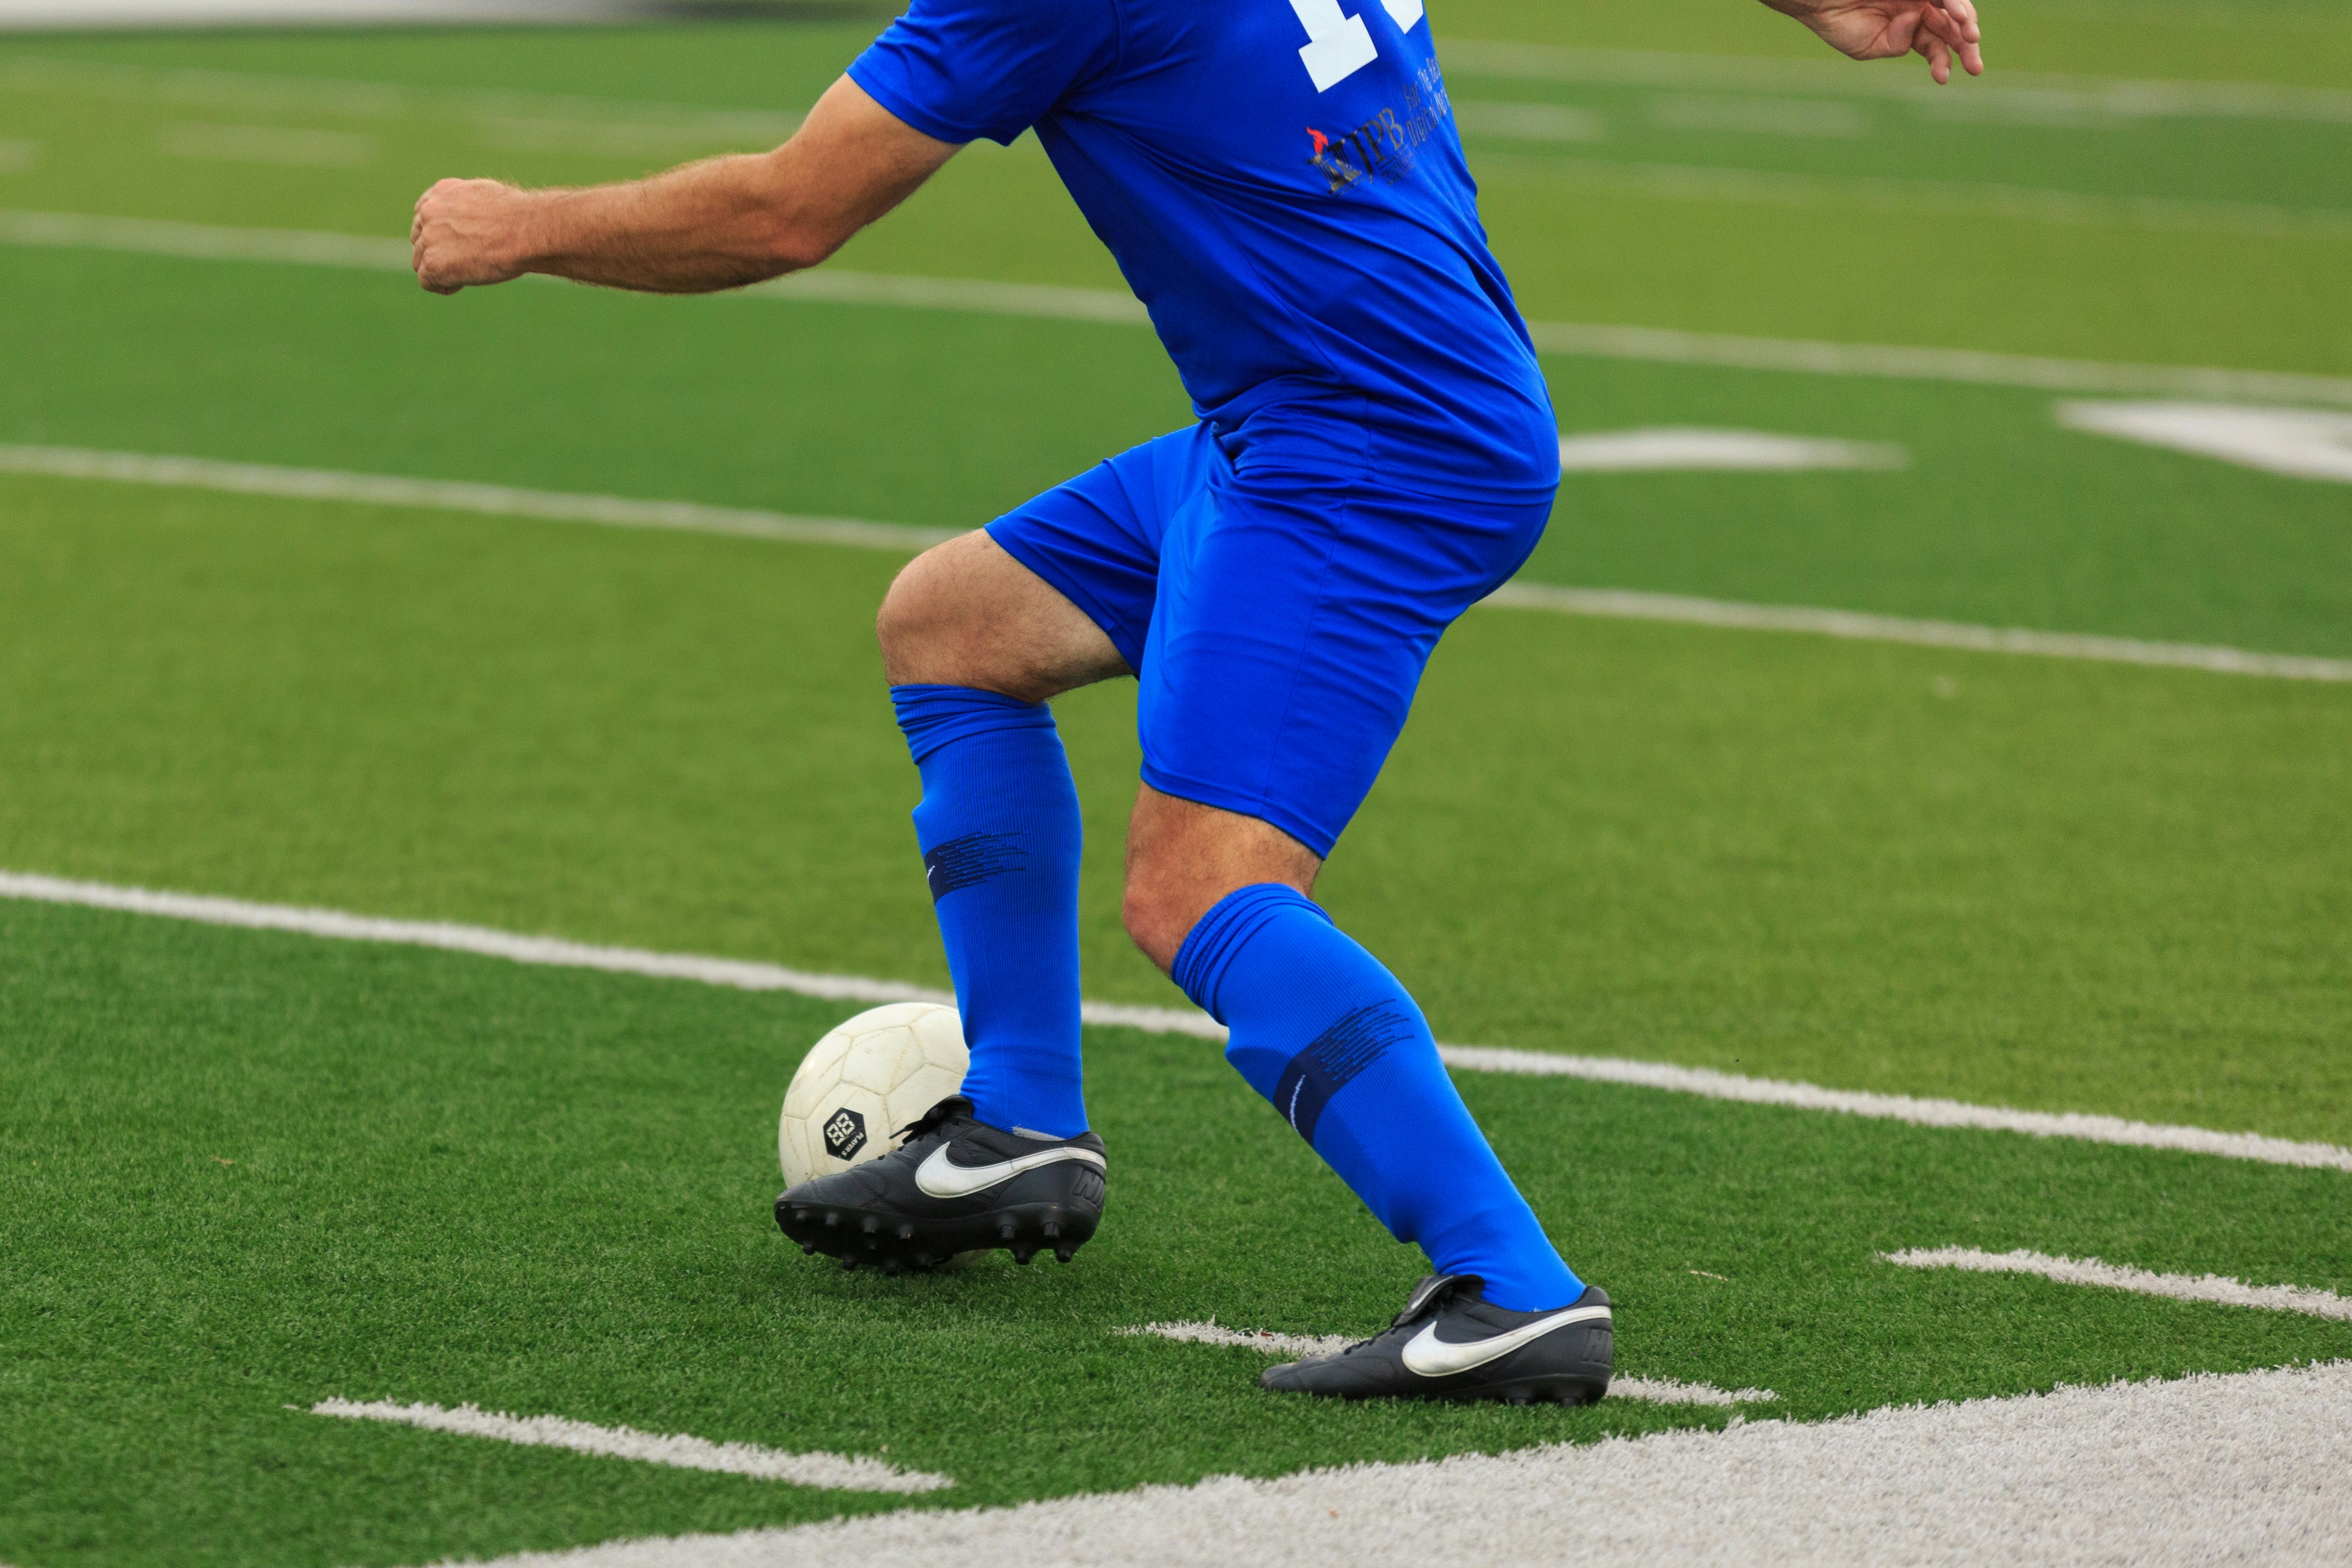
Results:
[1678, 449]
[1653, 1390]
[2211, 1288]
[1621, 604]
[1667, 346]
[1264, 1340]
[1920, 1113]
[2301, 443]
[2253, 1467]
[1655, 344]
[618, 511]
[42, 15]
[2038, 96]
[273, 94]
[743, 975]
[836, 1472]
[451, 496]
[1850, 193]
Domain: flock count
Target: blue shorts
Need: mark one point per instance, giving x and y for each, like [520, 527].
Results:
[1279, 612]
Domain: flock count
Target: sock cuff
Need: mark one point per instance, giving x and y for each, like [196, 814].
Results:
[1218, 937]
[934, 716]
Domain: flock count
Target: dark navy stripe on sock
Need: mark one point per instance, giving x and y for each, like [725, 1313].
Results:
[1334, 1056]
[970, 860]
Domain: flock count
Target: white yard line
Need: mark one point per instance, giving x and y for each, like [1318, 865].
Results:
[1653, 1390]
[41, 15]
[619, 511]
[1681, 449]
[836, 1472]
[1851, 192]
[1622, 604]
[1669, 346]
[2301, 443]
[443, 494]
[1657, 344]
[2025, 96]
[2253, 1467]
[267, 144]
[743, 975]
[497, 110]
[1264, 1340]
[1921, 1112]
[2211, 1288]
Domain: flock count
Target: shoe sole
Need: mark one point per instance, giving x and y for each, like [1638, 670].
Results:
[1520, 1391]
[903, 1243]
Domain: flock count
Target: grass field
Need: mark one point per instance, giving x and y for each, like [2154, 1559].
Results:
[241, 1172]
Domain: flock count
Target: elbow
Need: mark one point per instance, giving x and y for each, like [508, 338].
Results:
[795, 246]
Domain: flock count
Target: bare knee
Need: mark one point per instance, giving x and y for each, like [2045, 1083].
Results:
[909, 615]
[1158, 918]
[1182, 857]
[966, 614]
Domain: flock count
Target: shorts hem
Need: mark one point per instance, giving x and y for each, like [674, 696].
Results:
[1009, 541]
[1241, 803]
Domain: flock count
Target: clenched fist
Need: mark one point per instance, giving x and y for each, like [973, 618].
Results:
[468, 232]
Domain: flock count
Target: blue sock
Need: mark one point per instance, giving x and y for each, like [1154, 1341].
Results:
[1328, 1035]
[999, 833]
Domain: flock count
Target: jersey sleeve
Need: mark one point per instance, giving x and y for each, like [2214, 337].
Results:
[962, 69]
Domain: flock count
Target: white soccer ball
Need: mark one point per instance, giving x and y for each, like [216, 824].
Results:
[861, 1084]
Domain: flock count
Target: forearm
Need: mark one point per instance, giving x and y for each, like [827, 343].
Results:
[711, 226]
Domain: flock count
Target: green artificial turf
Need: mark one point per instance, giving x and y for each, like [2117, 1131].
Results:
[945, 419]
[2285, 41]
[1891, 220]
[240, 1172]
[2024, 880]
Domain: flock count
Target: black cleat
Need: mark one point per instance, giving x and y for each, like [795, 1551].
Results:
[1448, 1343]
[954, 1186]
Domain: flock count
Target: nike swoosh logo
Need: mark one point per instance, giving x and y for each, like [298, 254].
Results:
[1431, 1356]
[939, 1176]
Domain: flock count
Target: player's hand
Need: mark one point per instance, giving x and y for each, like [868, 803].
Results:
[468, 233]
[1942, 30]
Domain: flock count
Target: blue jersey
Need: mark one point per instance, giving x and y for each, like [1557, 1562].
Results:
[1282, 184]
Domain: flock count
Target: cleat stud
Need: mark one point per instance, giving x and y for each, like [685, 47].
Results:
[1004, 1231]
[890, 1267]
[905, 1233]
[831, 1217]
[1022, 1254]
[850, 1262]
[869, 1225]
[1516, 1396]
[800, 1215]
[808, 1249]
[1051, 1230]
[1066, 1253]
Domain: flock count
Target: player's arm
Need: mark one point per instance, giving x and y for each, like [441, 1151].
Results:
[1942, 30]
[716, 224]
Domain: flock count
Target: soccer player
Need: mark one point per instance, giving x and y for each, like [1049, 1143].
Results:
[1283, 185]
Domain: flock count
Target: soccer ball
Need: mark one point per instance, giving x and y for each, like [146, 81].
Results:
[861, 1084]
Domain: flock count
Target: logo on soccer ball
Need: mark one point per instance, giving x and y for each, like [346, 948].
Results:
[844, 1134]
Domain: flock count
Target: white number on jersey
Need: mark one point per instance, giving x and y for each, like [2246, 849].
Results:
[1338, 45]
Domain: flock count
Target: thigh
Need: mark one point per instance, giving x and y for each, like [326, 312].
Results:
[1295, 617]
[1097, 538]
